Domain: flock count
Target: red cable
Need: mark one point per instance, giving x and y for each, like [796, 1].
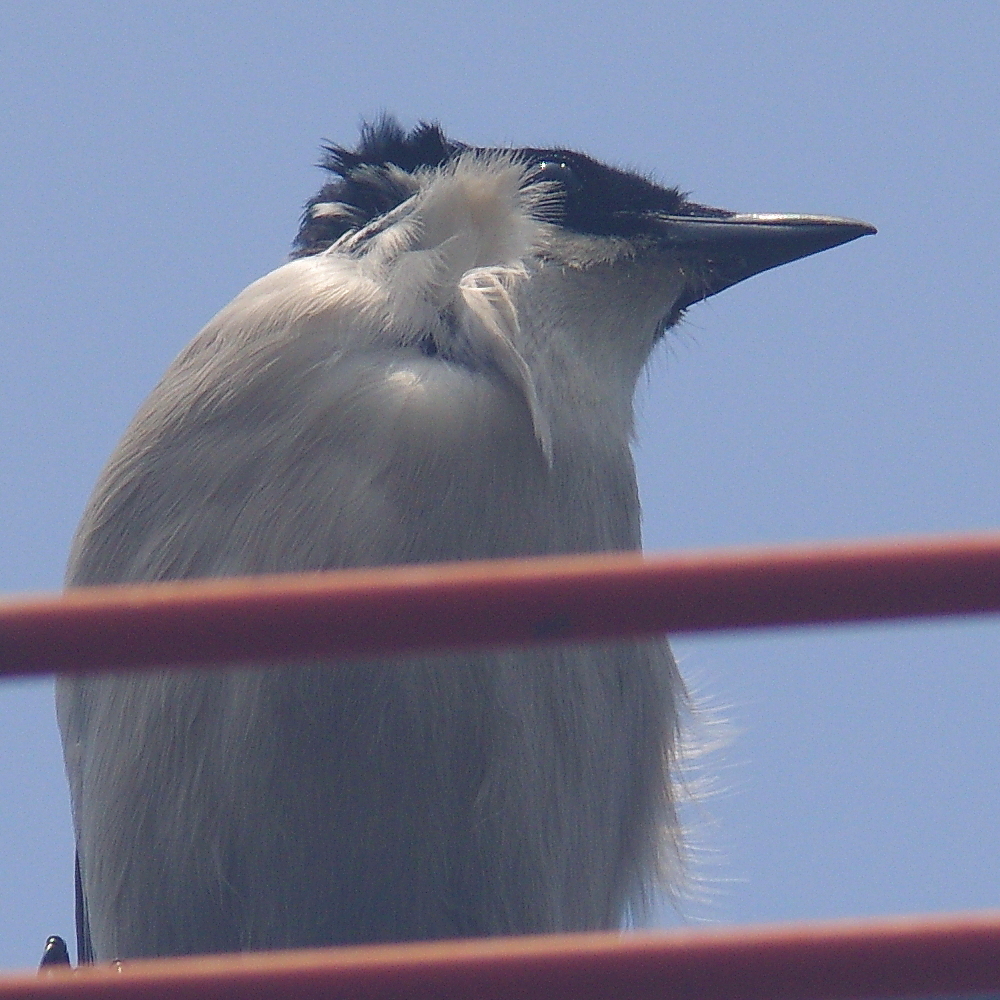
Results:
[820, 961]
[420, 608]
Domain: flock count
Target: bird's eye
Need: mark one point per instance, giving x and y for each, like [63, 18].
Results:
[557, 171]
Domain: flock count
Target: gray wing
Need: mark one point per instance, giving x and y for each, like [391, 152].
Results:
[312, 804]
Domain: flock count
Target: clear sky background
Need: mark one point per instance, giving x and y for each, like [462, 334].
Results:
[154, 159]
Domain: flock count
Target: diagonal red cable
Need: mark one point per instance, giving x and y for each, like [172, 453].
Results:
[914, 957]
[409, 609]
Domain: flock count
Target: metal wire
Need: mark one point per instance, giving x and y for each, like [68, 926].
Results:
[411, 609]
[821, 961]
[420, 608]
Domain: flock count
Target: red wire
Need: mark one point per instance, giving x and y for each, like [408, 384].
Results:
[821, 961]
[420, 608]
[474, 605]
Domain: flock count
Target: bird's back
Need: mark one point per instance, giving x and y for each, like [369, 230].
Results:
[323, 803]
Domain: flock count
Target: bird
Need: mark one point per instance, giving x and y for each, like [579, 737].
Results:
[55, 955]
[443, 369]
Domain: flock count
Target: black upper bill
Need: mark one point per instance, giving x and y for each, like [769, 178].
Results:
[723, 251]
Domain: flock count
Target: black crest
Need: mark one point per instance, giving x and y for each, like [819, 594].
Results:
[595, 198]
[364, 188]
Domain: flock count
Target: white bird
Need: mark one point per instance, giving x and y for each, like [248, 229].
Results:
[444, 370]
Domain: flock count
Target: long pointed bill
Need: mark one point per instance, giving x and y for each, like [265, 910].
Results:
[723, 251]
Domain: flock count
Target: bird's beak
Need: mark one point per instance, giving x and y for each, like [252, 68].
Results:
[724, 250]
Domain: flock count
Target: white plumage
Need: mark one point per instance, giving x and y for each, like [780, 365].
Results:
[446, 372]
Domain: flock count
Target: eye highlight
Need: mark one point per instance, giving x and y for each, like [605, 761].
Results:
[557, 171]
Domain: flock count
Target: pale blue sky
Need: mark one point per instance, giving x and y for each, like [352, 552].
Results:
[155, 158]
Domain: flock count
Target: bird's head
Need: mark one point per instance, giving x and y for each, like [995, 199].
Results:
[593, 213]
[544, 265]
